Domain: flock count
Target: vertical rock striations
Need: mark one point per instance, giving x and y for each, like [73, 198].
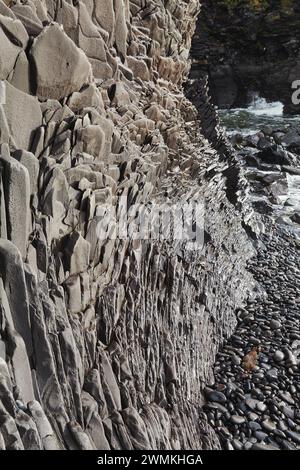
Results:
[107, 342]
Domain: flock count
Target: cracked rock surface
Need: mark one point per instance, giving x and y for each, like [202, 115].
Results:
[109, 343]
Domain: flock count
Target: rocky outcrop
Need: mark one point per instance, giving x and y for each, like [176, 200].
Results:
[248, 47]
[107, 342]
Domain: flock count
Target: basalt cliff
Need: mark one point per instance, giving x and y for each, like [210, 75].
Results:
[108, 342]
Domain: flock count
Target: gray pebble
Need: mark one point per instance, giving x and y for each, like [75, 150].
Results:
[261, 436]
[295, 436]
[268, 425]
[275, 324]
[261, 406]
[236, 419]
[279, 356]
[218, 397]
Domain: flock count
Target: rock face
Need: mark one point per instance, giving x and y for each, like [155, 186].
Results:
[61, 67]
[107, 342]
[243, 48]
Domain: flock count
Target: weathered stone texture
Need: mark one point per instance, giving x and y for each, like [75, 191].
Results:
[118, 336]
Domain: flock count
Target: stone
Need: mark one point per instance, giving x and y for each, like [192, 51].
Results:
[20, 363]
[105, 15]
[261, 436]
[88, 97]
[278, 356]
[288, 412]
[29, 161]
[8, 55]
[15, 31]
[295, 436]
[12, 273]
[275, 324]
[27, 14]
[81, 438]
[121, 28]
[43, 425]
[21, 74]
[275, 154]
[272, 374]
[56, 198]
[77, 251]
[254, 426]
[110, 386]
[2, 350]
[17, 198]
[118, 95]
[268, 425]
[10, 434]
[261, 446]
[136, 428]
[58, 75]
[139, 68]
[261, 407]
[23, 116]
[251, 403]
[5, 10]
[92, 139]
[237, 444]
[236, 419]
[219, 397]
[125, 333]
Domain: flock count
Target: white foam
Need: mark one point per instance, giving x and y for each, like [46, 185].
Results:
[260, 107]
[294, 189]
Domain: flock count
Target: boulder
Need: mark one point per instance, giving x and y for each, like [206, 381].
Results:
[118, 95]
[88, 97]
[275, 154]
[80, 437]
[46, 433]
[69, 18]
[77, 254]
[23, 116]
[17, 201]
[21, 74]
[27, 14]
[109, 382]
[20, 365]
[121, 28]
[8, 55]
[139, 68]
[12, 273]
[92, 139]
[136, 428]
[10, 434]
[61, 68]
[56, 198]
[93, 422]
[4, 10]
[105, 15]
[29, 161]
[15, 31]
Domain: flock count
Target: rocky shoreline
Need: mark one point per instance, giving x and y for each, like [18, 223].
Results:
[110, 342]
[258, 408]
